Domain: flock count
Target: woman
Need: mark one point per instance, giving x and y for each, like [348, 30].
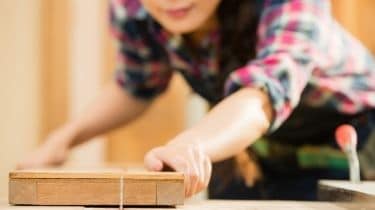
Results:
[280, 75]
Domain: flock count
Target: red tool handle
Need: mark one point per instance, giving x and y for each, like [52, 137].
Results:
[346, 137]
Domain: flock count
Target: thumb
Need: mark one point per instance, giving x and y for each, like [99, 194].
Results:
[152, 162]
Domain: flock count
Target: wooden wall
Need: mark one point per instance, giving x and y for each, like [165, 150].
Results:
[20, 82]
[55, 63]
[358, 17]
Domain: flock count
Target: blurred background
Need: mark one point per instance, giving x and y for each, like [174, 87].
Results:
[56, 54]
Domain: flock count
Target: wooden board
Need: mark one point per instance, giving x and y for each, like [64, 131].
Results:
[96, 188]
[333, 190]
[227, 205]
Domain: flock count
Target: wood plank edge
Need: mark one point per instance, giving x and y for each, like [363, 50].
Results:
[172, 176]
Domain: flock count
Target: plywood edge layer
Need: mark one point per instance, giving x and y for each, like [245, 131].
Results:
[22, 191]
[170, 193]
[96, 175]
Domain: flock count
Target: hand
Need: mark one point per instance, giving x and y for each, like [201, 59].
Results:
[189, 159]
[53, 152]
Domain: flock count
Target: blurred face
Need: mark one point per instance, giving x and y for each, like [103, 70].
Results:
[182, 16]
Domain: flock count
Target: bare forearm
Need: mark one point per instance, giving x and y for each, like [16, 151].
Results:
[112, 108]
[232, 125]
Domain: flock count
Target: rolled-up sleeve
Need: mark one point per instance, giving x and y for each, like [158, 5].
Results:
[288, 49]
[141, 68]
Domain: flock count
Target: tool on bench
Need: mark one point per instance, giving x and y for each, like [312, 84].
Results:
[346, 138]
[353, 190]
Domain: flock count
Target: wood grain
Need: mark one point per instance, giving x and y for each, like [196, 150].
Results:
[22, 191]
[333, 190]
[170, 192]
[95, 188]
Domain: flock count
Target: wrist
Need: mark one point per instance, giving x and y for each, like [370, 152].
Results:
[72, 133]
[192, 140]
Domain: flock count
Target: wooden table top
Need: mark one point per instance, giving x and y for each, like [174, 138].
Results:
[221, 205]
[366, 187]
[335, 190]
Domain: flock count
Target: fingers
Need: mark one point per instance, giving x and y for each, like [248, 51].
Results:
[41, 158]
[190, 160]
[204, 166]
[181, 163]
[188, 181]
[29, 164]
[152, 162]
[208, 171]
[194, 172]
[183, 159]
[198, 175]
[21, 165]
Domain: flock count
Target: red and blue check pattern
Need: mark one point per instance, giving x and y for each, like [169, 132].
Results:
[303, 56]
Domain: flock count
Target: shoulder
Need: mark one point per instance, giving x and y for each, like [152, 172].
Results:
[291, 8]
[307, 16]
[316, 3]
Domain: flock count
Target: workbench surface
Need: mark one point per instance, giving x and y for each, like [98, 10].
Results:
[222, 205]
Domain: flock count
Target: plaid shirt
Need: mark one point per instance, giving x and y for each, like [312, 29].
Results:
[303, 56]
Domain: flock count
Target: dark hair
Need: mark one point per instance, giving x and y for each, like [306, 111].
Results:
[238, 20]
[238, 23]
